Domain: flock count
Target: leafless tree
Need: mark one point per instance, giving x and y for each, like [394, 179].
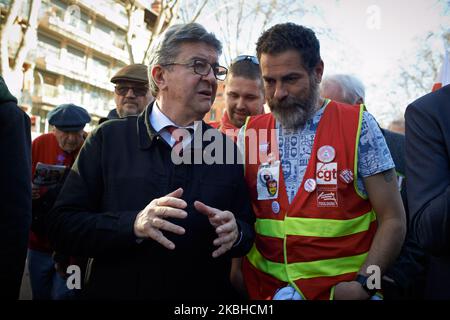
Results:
[168, 12]
[414, 77]
[190, 10]
[240, 22]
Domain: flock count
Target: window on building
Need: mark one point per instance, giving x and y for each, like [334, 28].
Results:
[45, 84]
[48, 47]
[99, 99]
[76, 58]
[73, 91]
[100, 68]
[120, 40]
[103, 32]
[60, 4]
[77, 18]
[58, 8]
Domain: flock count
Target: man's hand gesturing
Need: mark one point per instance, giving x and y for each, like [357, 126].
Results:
[225, 224]
[151, 221]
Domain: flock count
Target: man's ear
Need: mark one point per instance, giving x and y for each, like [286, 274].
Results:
[159, 76]
[318, 71]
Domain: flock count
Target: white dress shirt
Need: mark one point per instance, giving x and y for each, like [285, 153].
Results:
[160, 122]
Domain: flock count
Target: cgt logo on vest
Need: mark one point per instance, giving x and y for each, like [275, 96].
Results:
[326, 173]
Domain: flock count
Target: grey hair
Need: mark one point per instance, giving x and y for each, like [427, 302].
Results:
[167, 46]
[352, 88]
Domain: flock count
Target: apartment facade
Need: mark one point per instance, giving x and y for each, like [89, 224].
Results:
[80, 45]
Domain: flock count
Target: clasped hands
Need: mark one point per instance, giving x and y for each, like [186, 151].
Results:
[151, 221]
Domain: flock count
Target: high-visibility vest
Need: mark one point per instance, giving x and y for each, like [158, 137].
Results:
[323, 236]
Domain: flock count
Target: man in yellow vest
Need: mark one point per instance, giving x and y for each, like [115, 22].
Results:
[322, 183]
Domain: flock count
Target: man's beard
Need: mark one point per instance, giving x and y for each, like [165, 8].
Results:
[293, 112]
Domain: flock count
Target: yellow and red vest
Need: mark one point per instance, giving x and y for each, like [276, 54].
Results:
[309, 243]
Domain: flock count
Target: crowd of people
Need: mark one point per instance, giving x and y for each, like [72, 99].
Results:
[312, 200]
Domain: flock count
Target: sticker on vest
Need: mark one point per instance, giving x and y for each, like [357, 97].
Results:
[326, 173]
[326, 154]
[346, 176]
[310, 185]
[327, 197]
[268, 180]
[275, 207]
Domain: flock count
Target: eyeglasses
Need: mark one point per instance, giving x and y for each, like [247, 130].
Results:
[137, 91]
[203, 68]
[244, 57]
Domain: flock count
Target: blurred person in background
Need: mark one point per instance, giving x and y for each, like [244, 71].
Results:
[131, 92]
[59, 147]
[405, 279]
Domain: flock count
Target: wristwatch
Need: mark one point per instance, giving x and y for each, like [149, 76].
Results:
[363, 281]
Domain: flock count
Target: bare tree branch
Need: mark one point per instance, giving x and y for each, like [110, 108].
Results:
[199, 11]
[165, 18]
[130, 7]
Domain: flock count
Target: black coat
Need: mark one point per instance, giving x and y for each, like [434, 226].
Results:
[409, 268]
[15, 192]
[428, 172]
[124, 165]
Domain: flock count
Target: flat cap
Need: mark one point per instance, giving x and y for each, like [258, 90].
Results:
[69, 117]
[133, 72]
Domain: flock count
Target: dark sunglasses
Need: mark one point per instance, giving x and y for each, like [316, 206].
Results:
[244, 57]
[137, 91]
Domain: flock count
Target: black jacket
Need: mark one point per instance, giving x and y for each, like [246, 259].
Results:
[428, 172]
[124, 165]
[15, 192]
[409, 268]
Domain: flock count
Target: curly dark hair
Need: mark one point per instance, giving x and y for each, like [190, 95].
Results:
[287, 36]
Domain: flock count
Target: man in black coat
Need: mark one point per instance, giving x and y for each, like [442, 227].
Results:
[428, 171]
[15, 192]
[154, 227]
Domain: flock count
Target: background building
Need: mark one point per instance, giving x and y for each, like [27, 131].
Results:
[77, 47]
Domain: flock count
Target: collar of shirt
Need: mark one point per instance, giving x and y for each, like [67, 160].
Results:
[160, 122]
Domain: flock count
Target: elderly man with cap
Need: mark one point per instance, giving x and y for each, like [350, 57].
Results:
[59, 147]
[131, 93]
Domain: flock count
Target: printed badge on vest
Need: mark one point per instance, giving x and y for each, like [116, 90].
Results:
[327, 190]
[268, 181]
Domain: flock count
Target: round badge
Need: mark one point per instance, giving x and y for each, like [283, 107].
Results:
[346, 175]
[265, 175]
[275, 207]
[326, 154]
[310, 185]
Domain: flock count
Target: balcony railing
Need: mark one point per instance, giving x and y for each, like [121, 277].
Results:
[109, 9]
[49, 91]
